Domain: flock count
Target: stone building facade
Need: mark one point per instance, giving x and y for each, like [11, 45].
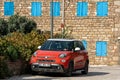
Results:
[100, 33]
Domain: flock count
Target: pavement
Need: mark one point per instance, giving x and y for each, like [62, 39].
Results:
[95, 73]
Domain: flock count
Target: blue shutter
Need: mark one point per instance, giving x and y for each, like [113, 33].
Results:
[104, 48]
[98, 49]
[102, 9]
[56, 9]
[84, 43]
[82, 9]
[36, 9]
[101, 48]
[8, 8]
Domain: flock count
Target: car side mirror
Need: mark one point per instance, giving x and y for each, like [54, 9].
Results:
[39, 47]
[77, 49]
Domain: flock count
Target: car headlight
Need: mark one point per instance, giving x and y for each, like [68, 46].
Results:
[62, 55]
[34, 54]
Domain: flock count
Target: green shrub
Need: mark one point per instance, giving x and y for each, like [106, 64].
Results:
[4, 71]
[16, 23]
[3, 27]
[25, 44]
[12, 53]
[21, 24]
[3, 46]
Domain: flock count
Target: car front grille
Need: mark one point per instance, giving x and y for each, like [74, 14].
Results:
[43, 61]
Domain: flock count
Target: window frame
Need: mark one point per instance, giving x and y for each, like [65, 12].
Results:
[8, 8]
[53, 9]
[82, 9]
[101, 48]
[104, 6]
[34, 5]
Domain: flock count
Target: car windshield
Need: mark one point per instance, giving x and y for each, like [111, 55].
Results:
[57, 45]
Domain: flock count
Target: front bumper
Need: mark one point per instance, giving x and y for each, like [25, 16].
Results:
[47, 67]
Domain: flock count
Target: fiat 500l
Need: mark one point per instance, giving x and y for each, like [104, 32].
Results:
[60, 55]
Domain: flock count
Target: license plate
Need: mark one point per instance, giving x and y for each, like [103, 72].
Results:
[44, 65]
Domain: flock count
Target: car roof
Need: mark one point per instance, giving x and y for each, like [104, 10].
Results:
[63, 39]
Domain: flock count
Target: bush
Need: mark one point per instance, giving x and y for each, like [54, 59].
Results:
[3, 46]
[3, 27]
[24, 44]
[19, 40]
[21, 24]
[12, 53]
[4, 71]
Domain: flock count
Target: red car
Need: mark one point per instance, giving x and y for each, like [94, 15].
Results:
[60, 55]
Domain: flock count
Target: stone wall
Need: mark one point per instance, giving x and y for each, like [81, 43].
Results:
[90, 28]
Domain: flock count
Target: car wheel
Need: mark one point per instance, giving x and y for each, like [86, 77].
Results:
[69, 71]
[85, 69]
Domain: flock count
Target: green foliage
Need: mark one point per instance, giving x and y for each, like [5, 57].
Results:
[16, 23]
[4, 71]
[18, 40]
[3, 27]
[3, 46]
[12, 53]
[21, 24]
[22, 44]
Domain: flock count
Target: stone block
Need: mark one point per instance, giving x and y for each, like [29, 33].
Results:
[117, 3]
[115, 58]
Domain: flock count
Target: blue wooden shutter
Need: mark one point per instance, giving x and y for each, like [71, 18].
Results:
[104, 48]
[102, 9]
[101, 48]
[36, 9]
[84, 43]
[82, 9]
[56, 9]
[8, 8]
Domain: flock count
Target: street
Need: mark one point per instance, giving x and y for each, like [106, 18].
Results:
[95, 73]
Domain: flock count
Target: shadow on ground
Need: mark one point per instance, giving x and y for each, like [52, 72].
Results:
[90, 74]
[56, 76]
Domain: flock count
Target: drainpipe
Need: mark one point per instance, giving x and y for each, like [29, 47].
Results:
[51, 33]
[63, 16]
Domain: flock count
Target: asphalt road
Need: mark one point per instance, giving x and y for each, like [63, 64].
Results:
[95, 73]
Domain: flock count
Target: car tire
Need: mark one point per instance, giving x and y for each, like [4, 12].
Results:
[85, 69]
[69, 70]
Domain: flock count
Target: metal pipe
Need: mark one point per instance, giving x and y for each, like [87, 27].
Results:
[63, 8]
[63, 17]
[52, 24]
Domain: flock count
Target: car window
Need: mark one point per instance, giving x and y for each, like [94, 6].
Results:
[57, 45]
[79, 44]
[76, 44]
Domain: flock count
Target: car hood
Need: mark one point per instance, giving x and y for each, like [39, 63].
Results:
[43, 53]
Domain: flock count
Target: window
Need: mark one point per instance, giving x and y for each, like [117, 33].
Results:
[55, 9]
[79, 44]
[57, 45]
[36, 9]
[82, 46]
[82, 9]
[102, 9]
[8, 8]
[101, 48]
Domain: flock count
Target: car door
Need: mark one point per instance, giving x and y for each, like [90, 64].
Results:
[83, 55]
[79, 58]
